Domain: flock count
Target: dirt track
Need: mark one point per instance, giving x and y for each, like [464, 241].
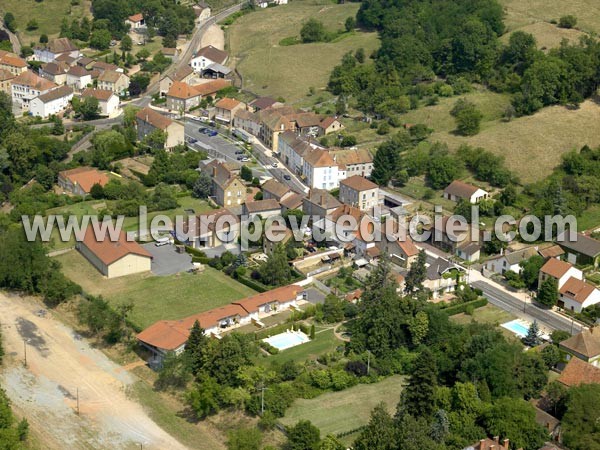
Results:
[58, 364]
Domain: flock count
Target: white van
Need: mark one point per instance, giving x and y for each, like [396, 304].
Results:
[162, 241]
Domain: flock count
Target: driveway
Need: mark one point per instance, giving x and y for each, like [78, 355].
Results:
[167, 261]
[314, 296]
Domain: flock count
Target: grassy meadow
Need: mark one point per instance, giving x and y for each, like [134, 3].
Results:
[156, 298]
[289, 71]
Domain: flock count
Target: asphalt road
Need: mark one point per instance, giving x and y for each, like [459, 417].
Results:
[513, 304]
[224, 147]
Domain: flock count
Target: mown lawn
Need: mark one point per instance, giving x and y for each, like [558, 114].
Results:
[324, 342]
[337, 412]
[156, 298]
[289, 71]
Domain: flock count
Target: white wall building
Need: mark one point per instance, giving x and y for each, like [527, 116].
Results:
[53, 102]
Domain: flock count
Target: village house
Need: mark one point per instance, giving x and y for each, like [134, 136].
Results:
[27, 86]
[108, 101]
[226, 108]
[449, 235]
[355, 162]
[578, 372]
[202, 12]
[12, 63]
[576, 295]
[115, 259]
[212, 229]
[135, 21]
[360, 192]
[554, 251]
[336, 226]
[469, 250]
[113, 81]
[292, 150]
[581, 250]
[183, 75]
[54, 49]
[441, 277]
[509, 261]
[210, 88]
[320, 170]
[584, 346]
[561, 271]
[293, 200]
[206, 56]
[148, 121]
[171, 335]
[216, 70]
[247, 121]
[85, 62]
[319, 203]
[491, 444]
[228, 188]
[274, 189]
[52, 102]
[273, 122]
[330, 125]
[458, 190]
[182, 97]
[71, 61]
[262, 209]
[269, 245]
[79, 181]
[103, 66]
[262, 103]
[6, 81]
[403, 252]
[78, 78]
[55, 72]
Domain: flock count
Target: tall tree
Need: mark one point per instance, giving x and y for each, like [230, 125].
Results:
[196, 348]
[379, 434]
[416, 399]
[548, 292]
[303, 436]
[416, 274]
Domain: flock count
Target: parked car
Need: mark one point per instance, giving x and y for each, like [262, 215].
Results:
[192, 140]
[287, 177]
[212, 133]
[239, 158]
[239, 152]
[245, 159]
[274, 165]
[202, 130]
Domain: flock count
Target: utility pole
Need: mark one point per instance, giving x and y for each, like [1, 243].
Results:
[262, 400]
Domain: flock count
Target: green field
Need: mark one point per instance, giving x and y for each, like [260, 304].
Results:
[336, 412]
[289, 71]
[48, 14]
[155, 298]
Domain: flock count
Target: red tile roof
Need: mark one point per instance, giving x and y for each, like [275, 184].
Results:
[85, 177]
[32, 80]
[555, 267]
[213, 53]
[408, 247]
[156, 119]
[100, 94]
[212, 87]
[227, 103]
[359, 183]
[579, 372]
[577, 290]
[283, 294]
[461, 189]
[182, 91]
[136, 17]
[108, 251]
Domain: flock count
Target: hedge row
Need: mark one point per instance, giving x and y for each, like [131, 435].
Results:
[458, 309]
[268, 347]
[194, 251]
[253, 284]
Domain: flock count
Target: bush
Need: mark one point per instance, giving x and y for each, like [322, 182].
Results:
[463, 307]
[567, 21]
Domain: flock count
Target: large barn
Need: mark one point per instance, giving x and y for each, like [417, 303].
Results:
[115, 259]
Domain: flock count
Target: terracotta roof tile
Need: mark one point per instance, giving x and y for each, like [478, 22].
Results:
[154, 118]
[227, 103]
[85, 177]
[262, 205]
[577, 290]
[283, 294]
[182, 91]
[136, 17]
[213, 53]
[586, 343]
[460, 189]
[212, 87]
[555, 267]
[108, 251]
[359, 183]
[100, 94]
[579, 372]
[54, 94]
[32, 80]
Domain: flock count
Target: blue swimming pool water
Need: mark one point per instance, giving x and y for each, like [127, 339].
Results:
[286, 340]
[516, 327]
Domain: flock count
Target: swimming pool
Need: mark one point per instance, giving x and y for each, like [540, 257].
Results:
[518, 327]
[286, 340]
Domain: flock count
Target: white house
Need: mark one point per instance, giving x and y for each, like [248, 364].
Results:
[56, 48]
[108, 101]
[28, 86]
[78, 78]
[53, 102]
[458, 190]
[206, 56]
[320, 170]
[576, 295]
[359, 192]
[136, 21]
[509, 260]
[561, 271]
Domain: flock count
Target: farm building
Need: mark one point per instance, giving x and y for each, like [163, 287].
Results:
[114, 258]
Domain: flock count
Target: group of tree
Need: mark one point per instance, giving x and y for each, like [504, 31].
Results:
[416, 48]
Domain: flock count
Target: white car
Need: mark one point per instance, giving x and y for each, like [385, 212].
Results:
[245, 159]
[275, 165]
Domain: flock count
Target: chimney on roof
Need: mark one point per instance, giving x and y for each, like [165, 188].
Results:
[497, 439]
[506, 444]
[482, 444]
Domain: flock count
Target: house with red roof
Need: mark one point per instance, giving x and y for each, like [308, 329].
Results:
[136, 21]
[114, 258]
[79, 181]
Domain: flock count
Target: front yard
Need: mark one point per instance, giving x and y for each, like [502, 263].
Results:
[156, 298]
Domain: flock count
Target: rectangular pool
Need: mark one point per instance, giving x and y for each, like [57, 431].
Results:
[518, 327]
[287, 339]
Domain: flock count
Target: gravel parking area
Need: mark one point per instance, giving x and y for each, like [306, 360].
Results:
[167, 261]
